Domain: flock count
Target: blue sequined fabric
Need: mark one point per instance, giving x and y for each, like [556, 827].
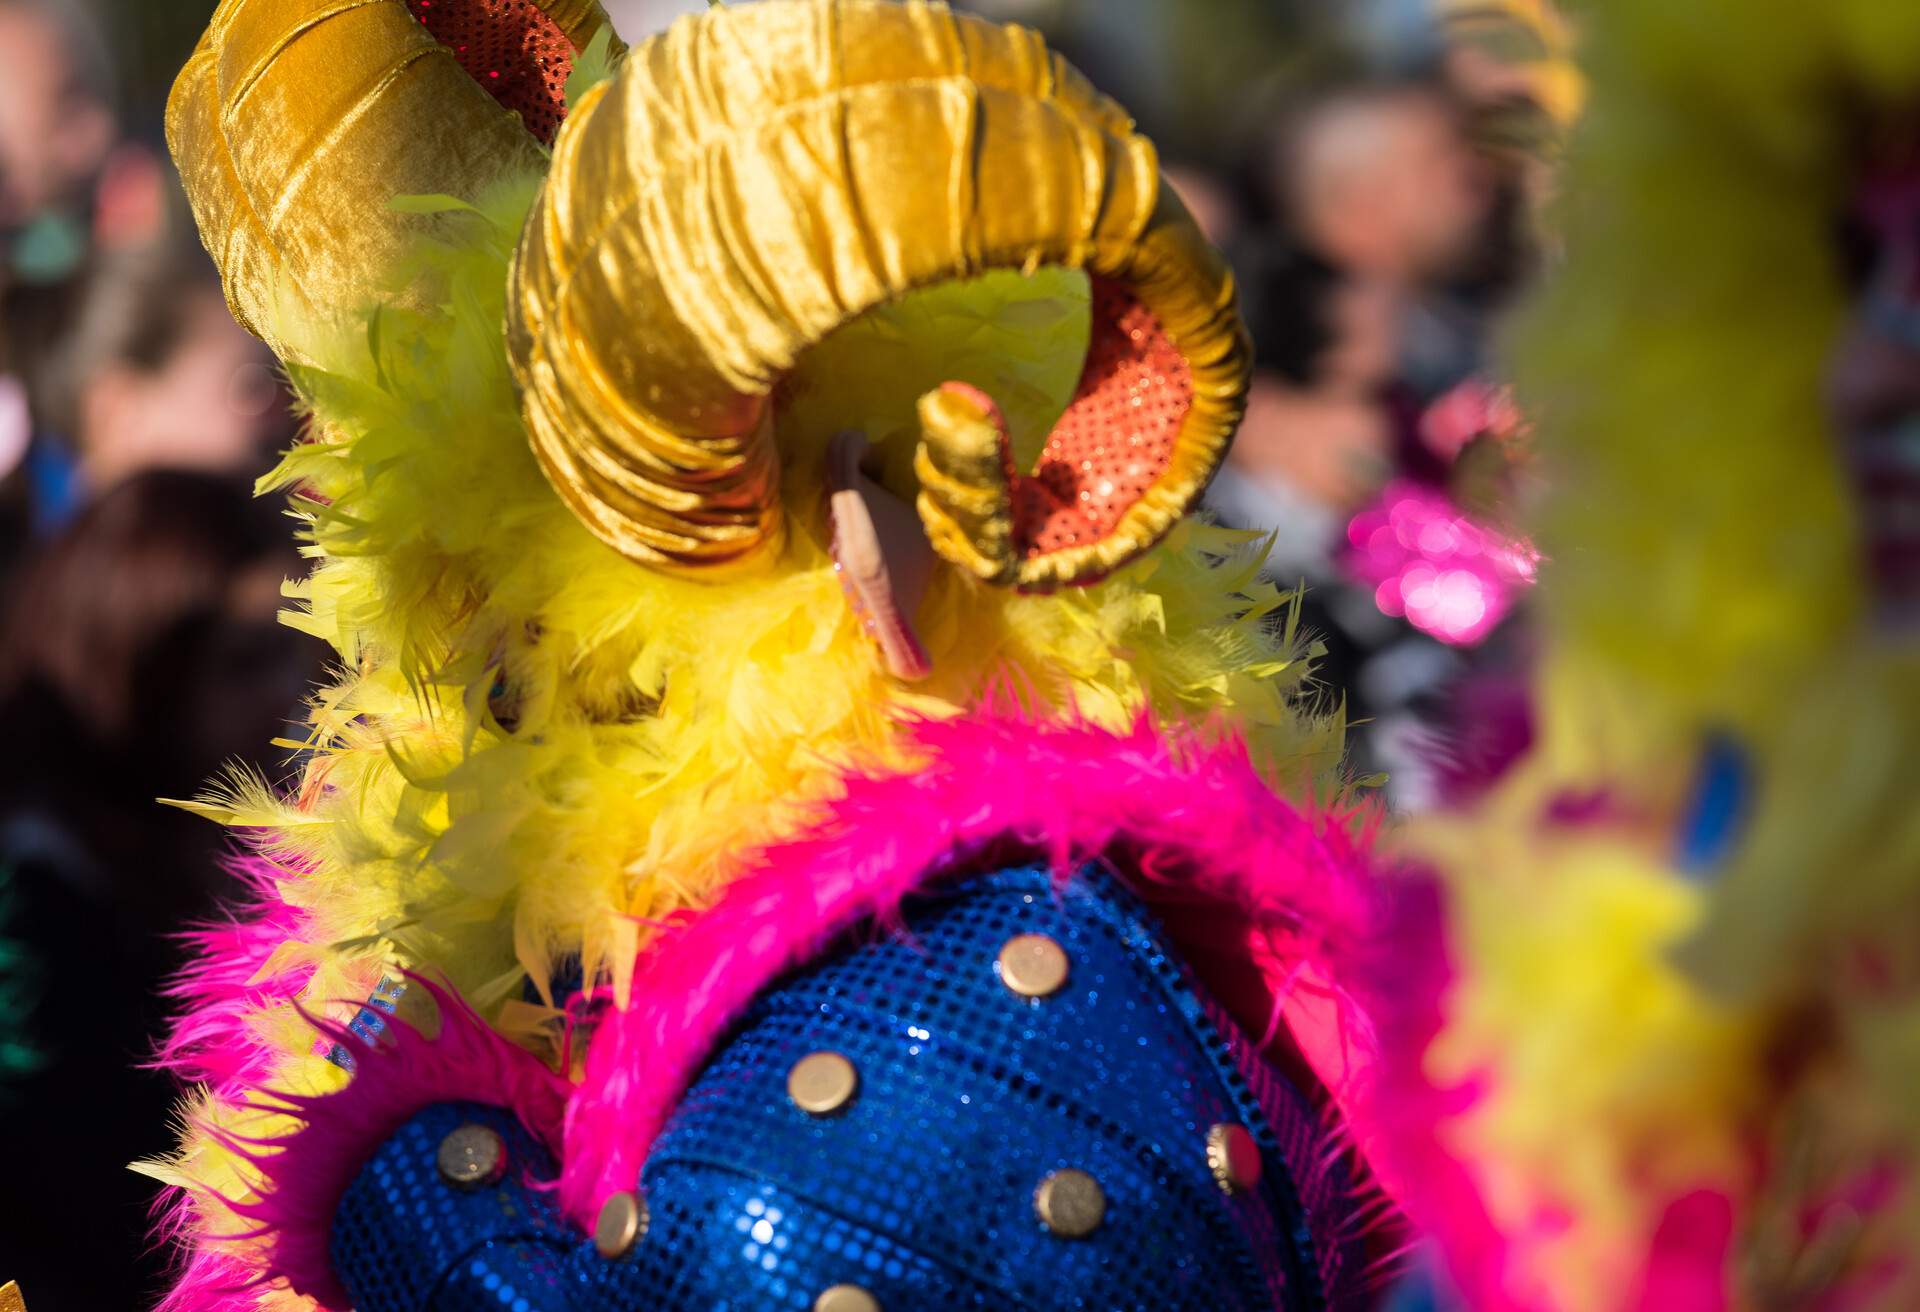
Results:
[920, 1190]
[405, 1239]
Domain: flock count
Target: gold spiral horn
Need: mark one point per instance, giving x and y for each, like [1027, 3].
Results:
[296, 122]
[762, 174]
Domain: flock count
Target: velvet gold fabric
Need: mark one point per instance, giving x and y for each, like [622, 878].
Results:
[751, 181]
[295, 123]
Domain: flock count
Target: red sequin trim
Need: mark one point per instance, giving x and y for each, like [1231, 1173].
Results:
[510, 47]
[1117, 435]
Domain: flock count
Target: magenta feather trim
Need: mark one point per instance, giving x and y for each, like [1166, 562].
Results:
[304, 1174]
[1274, 901]
[230, 977]
[1408, 968]
[1415, 1150]
[212, 1281]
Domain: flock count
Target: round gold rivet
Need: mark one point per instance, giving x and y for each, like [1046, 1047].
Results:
[821, 1083]
[1033, 965]
[846, 1298]
[471, 1157]
[1070, 1203]
[1233, 1157]
[623, 1220]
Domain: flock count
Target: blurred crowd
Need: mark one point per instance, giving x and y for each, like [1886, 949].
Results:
[140, 583]
[1374, 171]
[1377, 173]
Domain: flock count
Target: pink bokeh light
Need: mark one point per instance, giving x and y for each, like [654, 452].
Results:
[1447, 573]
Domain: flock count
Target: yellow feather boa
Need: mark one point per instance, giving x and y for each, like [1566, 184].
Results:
[534, 747]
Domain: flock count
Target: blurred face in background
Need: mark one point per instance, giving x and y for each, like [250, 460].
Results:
[1330, 440]
[141, 647]
[211, 401]
[1364, 318]
[1384, 183]
[55, 129]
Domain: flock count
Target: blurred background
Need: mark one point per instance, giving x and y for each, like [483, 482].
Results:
[1375, 172]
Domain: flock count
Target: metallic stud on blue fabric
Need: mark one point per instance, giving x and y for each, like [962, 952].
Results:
[1033, 965]
[1070, 1203]
[623, 1220]
[1234, 1159]
[846, 1298]
[821, 1083]
[471, 1157]
[1095, 1139]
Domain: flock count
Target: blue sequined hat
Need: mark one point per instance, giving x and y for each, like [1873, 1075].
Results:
[1022, 1101]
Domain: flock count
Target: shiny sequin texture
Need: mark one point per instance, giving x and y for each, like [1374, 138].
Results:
[1117, 435]
[404, 1238]
[921, 1191]
[512, 49]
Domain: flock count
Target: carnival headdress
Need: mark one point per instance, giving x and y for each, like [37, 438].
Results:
[578, 486]
[743, 188]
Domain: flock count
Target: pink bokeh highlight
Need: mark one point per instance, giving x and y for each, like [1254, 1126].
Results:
[1447, 573]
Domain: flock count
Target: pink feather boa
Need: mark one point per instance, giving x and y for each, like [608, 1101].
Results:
[230, 976]
[1267, 901]
[302, 1175]
[1275, 907]
[1416, 1149]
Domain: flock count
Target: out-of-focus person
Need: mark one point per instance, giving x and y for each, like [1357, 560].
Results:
[1375, 197]
[1383, 183]
[140, 366]
[73, 195]
[56, 118]
[1386, 182]
[1321, 436]
[140, 652]
[68, 183]
[1368, 272]
[1317, 439]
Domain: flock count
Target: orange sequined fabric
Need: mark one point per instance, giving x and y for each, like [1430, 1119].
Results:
[1117, 435]
[511, 48]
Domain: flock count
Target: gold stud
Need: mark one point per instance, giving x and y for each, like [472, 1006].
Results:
[11, 1299]
[1234, 1158]
[623, 1221]
[846, 1298]
[471, 1157]
[1070, 1203]
[821, 1083]
[1033, 965]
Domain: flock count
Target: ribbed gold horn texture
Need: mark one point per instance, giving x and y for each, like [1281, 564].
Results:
[762, 174]
[296, 122]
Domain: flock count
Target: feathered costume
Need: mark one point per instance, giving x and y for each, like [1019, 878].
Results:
[754, 822]
[1666, 1055]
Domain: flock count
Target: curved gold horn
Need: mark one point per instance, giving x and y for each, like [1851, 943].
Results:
[762, 174]
[296, 122]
